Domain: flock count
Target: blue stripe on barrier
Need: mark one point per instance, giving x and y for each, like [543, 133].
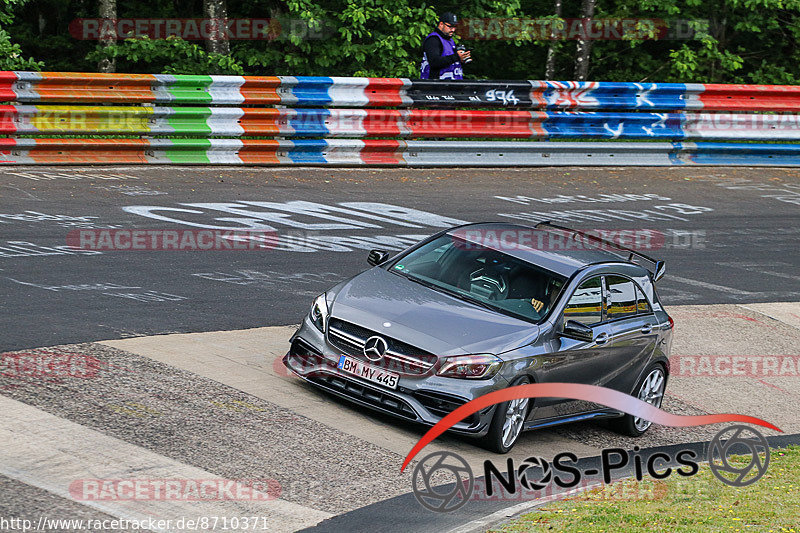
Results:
[309, 151]
[562, 124]
[313, 90]
[736, 154]
[615, 95]
[310, 122]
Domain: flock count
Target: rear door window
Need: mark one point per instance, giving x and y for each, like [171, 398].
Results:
[642, 305]
[621, 297]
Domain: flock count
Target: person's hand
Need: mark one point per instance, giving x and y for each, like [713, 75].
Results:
[463, 54]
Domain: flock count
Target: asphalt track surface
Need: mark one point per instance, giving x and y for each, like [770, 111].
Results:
[728, 236]
[216, 405]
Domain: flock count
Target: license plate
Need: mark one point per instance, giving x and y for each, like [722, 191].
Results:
[368, 372]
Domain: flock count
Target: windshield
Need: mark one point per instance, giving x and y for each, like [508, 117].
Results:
[484, 276]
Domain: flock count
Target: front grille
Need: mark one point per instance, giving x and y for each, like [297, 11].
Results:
[350, 339]
[366, 394]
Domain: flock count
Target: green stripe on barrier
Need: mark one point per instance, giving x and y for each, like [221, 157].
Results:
[187, 89]
[190, 121]
[188, 151]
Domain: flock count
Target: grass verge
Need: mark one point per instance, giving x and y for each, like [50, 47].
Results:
[700, 503]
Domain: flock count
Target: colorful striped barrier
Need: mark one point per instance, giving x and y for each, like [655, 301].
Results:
[296, 120]
[356, 152]
[414, 123]
[59, 87]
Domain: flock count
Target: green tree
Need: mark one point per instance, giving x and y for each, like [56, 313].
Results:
[11, 54]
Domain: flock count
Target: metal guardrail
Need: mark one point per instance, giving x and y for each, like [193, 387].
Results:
[356, 152]
[223, 119]
[416, 123]
[69, 87]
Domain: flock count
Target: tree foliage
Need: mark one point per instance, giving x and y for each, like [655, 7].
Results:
[11, 54]
[732, 41]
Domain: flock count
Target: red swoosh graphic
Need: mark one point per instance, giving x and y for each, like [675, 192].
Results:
[574, 391]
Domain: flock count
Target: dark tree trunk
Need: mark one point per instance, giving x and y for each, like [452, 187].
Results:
[108, 10]
[217, 42]
[584, 48]
[550, 65]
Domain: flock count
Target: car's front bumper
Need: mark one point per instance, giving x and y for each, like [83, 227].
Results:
[425, 399]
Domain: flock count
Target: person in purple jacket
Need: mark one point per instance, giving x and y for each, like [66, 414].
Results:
[440, 58]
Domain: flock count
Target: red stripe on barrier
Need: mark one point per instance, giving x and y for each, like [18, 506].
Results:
[383, 152]
[384, 91]
[457, 123]
[383, 122]
[7, 79]
[721, 97]
[7, 115]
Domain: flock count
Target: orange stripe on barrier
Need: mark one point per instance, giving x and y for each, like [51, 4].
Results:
[262, 121]
[261, 90]
[259, 151]
[89, 151]
[79, 87]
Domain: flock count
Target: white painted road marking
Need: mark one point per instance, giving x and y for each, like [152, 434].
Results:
[713, 286]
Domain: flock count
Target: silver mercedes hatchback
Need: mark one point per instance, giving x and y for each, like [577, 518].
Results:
[481, 307]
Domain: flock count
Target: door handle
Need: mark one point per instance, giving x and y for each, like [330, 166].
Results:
[601, 339]
[647, 328]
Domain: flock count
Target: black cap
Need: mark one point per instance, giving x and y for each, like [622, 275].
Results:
[449, 18]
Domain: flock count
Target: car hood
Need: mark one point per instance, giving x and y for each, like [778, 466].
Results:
[428, 319]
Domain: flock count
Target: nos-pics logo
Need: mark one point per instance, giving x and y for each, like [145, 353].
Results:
[443, 481]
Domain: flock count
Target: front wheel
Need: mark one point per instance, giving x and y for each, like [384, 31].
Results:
[650, 390]
[507, 423]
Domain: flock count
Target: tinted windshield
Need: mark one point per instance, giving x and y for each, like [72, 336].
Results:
[484, 276]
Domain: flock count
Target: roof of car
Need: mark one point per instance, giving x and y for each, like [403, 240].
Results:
[550, 249]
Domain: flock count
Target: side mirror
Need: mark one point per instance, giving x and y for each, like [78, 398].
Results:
[377, 257]
[578, 331]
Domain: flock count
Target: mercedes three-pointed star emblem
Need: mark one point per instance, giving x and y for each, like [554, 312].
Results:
[375, 348]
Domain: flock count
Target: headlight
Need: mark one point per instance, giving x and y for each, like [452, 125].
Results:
[470, 366]
[319, 312]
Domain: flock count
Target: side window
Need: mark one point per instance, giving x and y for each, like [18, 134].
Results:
[642, 305]
[586, 303]
[621, 297]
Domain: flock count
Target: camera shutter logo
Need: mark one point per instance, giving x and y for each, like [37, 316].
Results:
[738, 440]
[375, 348]
[442, 481]
[532, 463]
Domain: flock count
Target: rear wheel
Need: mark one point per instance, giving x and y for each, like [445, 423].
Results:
[507, 423]
[650, 390]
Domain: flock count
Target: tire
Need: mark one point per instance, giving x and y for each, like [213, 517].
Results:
[649, 389]
[503, 431]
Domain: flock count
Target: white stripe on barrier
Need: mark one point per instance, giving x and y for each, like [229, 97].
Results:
[226, 90]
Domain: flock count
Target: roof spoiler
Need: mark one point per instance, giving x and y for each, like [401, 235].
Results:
[656, 268]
